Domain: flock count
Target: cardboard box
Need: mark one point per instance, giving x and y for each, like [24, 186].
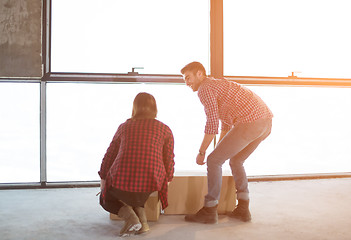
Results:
[186, 195]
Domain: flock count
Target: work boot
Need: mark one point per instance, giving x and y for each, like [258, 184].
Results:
[140, 212]
[204, 215]
[241, 211]
[131, 221]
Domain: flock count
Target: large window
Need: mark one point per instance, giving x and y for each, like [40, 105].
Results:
[275, 38]
[109, 36]
[65, 123]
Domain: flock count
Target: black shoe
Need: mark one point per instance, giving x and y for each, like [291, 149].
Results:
[204, 215]
[241, 211]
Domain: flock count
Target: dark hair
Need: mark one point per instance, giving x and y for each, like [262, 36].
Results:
[194, 67]
[144, 106]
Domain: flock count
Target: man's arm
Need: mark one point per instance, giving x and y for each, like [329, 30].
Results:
[200, 159]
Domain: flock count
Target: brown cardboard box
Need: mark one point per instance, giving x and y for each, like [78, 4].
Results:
[153, 207]
[186, 195]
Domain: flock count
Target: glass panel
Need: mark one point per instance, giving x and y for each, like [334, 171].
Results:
[310, 128]
[109, 36]
[275, 38]
[310, 134]
[82, 119]
[19, 132]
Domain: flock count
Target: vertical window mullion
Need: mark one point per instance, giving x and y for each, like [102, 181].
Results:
[43, 171]
[216, 38]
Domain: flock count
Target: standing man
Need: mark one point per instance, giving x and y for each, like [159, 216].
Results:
[245, 122]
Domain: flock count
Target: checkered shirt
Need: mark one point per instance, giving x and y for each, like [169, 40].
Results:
[140, 158]
[230, 103]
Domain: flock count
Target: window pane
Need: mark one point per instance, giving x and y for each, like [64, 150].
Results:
[114, 36]
[275, 38]
[19, 132]
[310, 133]
[82, 119]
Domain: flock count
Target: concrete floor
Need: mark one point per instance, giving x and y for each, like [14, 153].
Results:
[303, 209]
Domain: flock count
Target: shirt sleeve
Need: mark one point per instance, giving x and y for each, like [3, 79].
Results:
[168, 156]
[110, 155]
[209, 101]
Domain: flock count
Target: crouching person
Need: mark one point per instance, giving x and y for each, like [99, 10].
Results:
[139, 161]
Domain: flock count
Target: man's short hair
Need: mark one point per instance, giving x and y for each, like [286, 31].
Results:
[194, 67]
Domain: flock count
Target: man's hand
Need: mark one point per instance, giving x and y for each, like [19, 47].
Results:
[200, 159]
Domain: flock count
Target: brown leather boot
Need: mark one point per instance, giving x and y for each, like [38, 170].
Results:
[140, 212]
[204, 215]
[241, 211]
[131, 221]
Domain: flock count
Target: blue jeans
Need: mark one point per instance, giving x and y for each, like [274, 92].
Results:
[237, 146]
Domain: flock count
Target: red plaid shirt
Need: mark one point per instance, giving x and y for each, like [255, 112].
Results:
[140, 158]
[231, 103]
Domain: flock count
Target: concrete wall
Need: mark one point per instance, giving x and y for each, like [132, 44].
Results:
[20, 38]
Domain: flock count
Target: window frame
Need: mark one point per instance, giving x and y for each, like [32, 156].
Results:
[216, 70]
